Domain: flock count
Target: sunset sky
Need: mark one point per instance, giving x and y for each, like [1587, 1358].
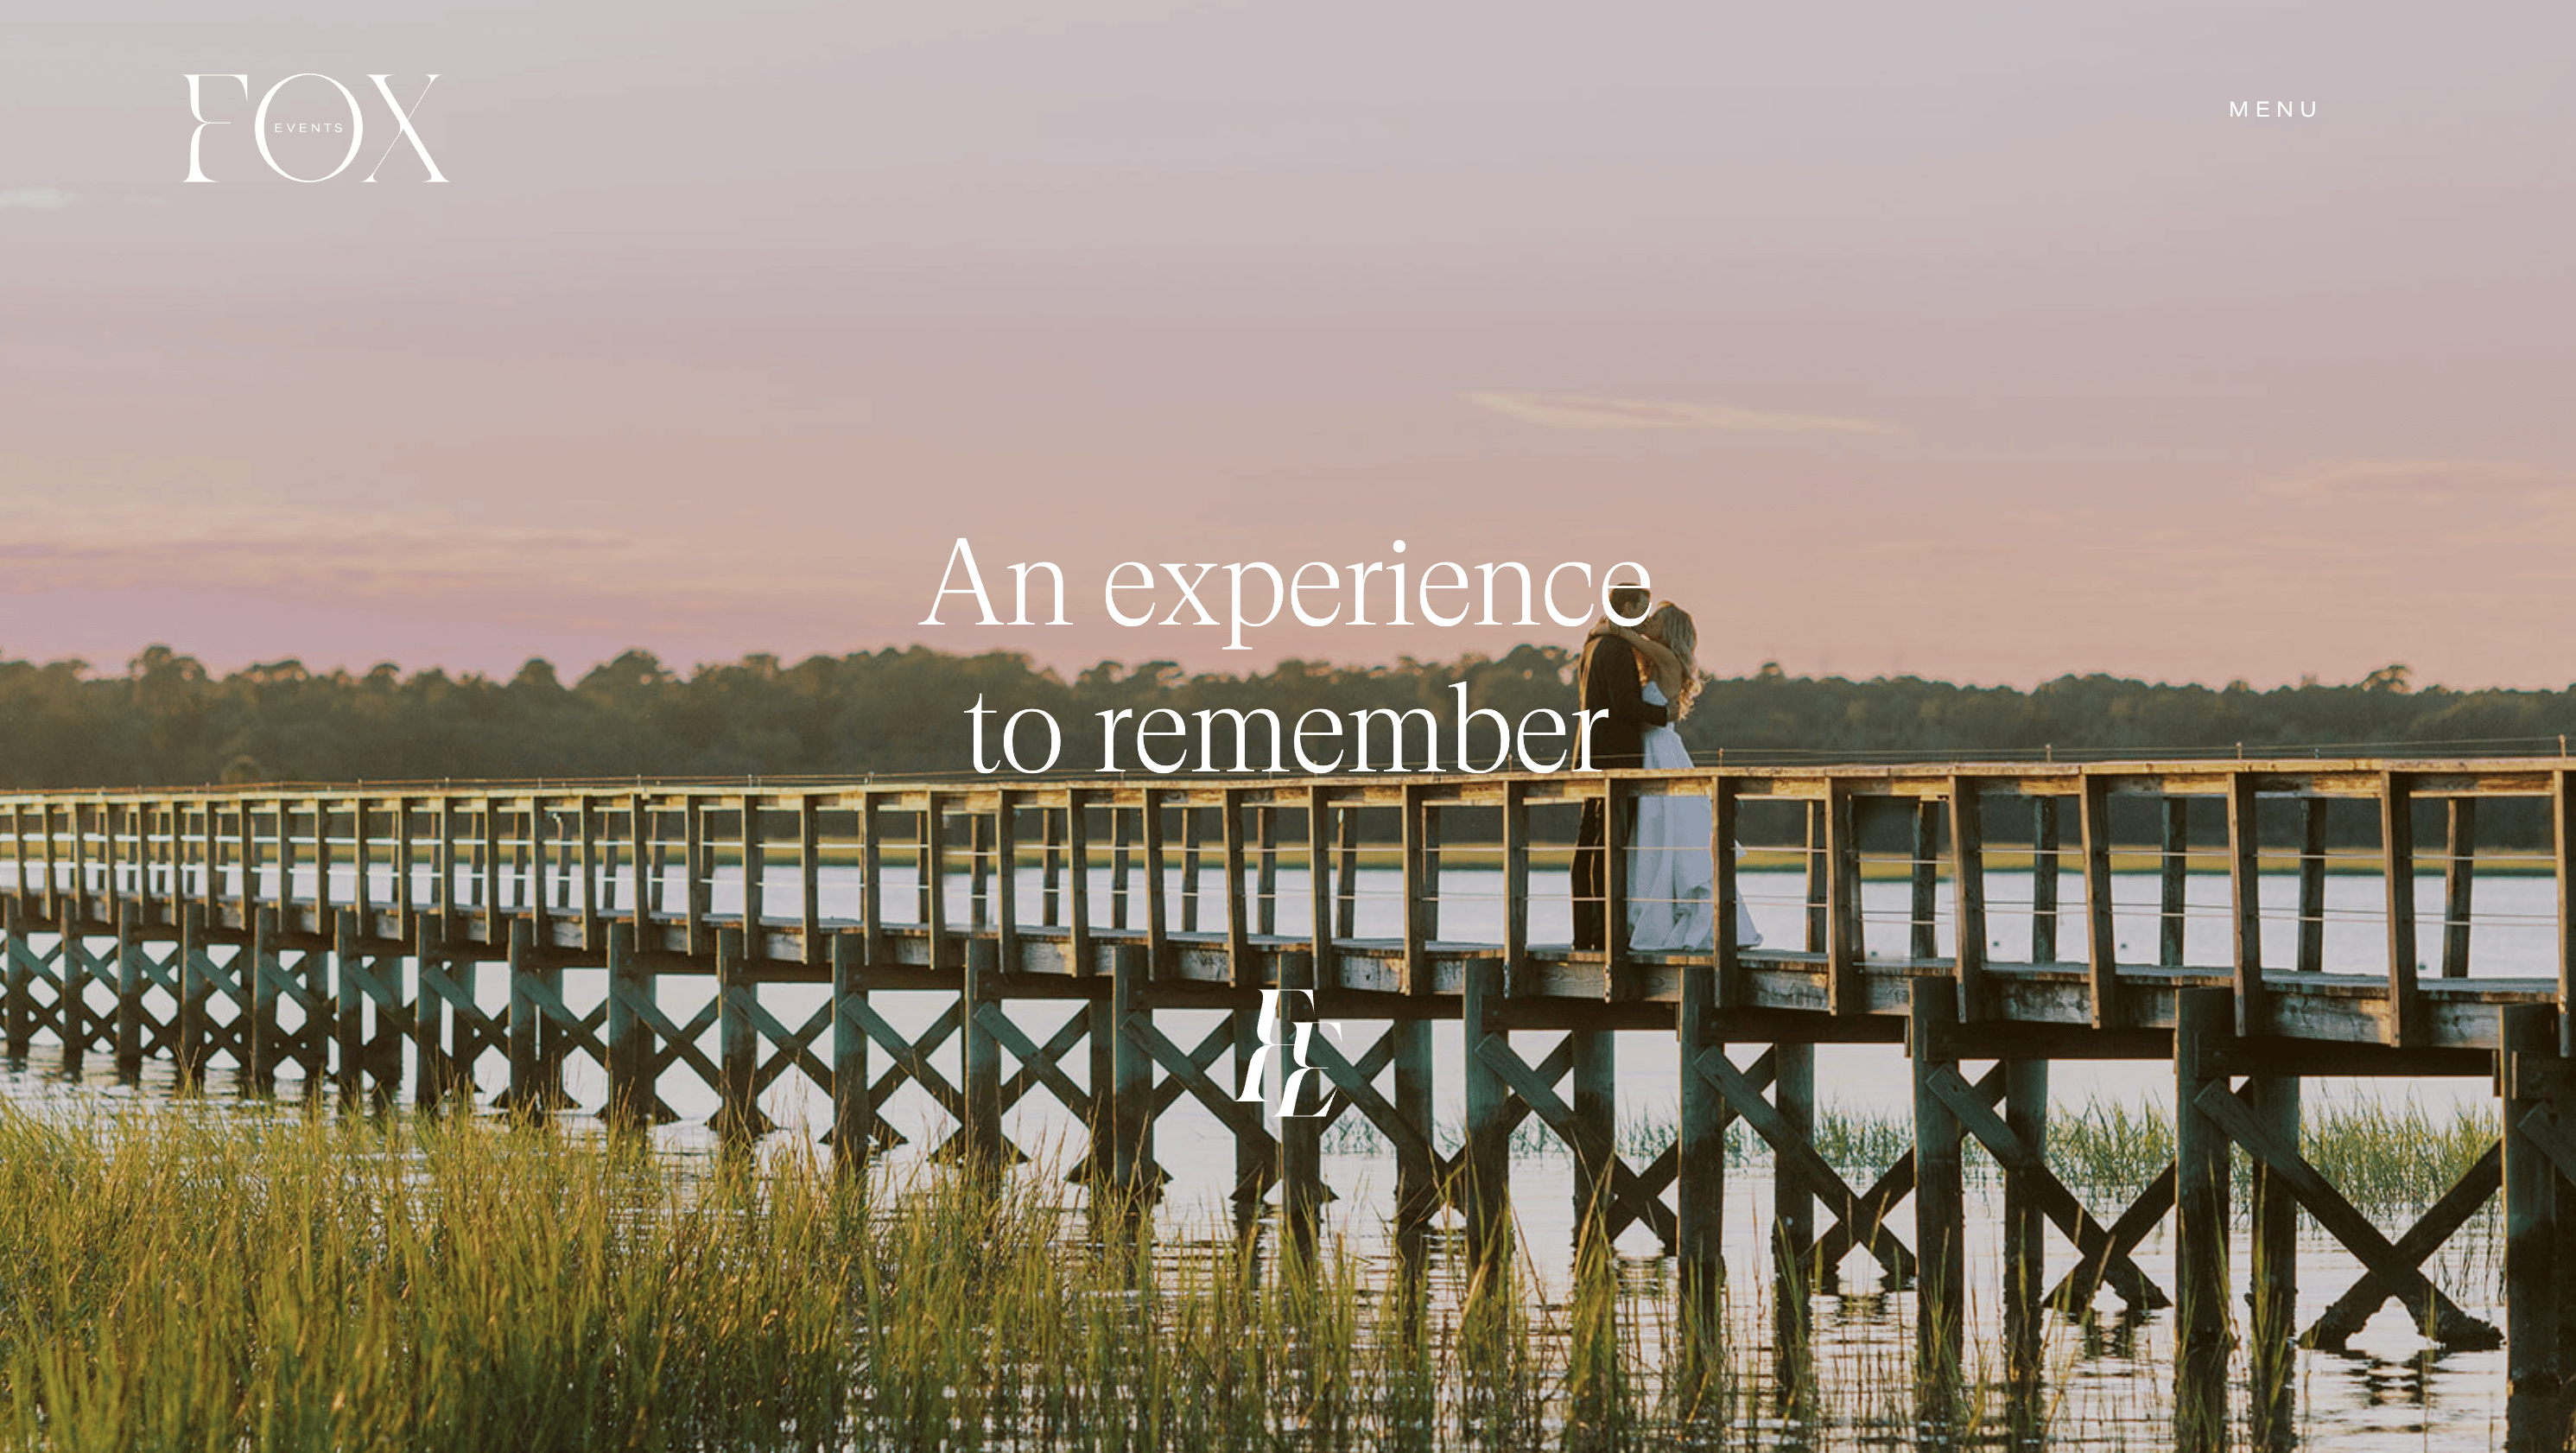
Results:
[1970, 341]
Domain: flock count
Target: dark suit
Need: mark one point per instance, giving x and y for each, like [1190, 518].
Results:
[1606, 680]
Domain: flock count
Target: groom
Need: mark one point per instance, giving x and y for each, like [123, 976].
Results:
[1606, 681]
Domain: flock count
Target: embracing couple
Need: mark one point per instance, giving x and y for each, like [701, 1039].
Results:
[1644, 679]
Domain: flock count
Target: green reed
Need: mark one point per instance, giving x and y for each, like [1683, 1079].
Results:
[200, 1281]
[190, 1278]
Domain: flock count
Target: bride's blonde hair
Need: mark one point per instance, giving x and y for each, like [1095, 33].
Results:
[1671, 627]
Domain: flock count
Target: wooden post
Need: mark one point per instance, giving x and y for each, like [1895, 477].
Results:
[983, 1055]
[2562, 814]
[2244, 895]
[22, 982]
[2458, 880]
[2043, 880]
[1006, 887]
[2534, 1379]
[1417, 1176]
[1422, 888]
[1240, 972]
[1968, 891]
[1157, 916]
[1301, 1139]
[260, 971]
[129, 991]
[2203, 1020]
[1190, 857]
[349, 1015]
[2175, 861]
[194, 990]
[1725, 894]
[1119, 841]
[2025, 1231]
[1940, 1199]
[1922, 939]
[1051, 866]
[809, 875]
[1596, 1115]
[212, 882]
[2312, 885]
[2101, 944]
[1077, 898]
[737, 1043]
[527, 1097]
[490, 874]
[1266, 890]
[536, 868]
[2405, 1022]
[322, 863]
[1346, 876]
[755, 871]
[248, 843]
[930, 864]
[1815, 881]
[432, 1077]
[80, 876]
[406, 892]
[646, 863]
[852, 1136]
[588, 807]
[71, 986]
[1700, 1180]
[630, 1038]
[54, 870]
[179, 853]
[2272, 1291]
[1488, 1164]
[693, 873]
[1250, 1153]
[1131, 1113]
[931, 889]
[1844, 946]
[1793, 1203]
[443, 862]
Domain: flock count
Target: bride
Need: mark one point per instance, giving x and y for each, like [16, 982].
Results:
[1670, 875]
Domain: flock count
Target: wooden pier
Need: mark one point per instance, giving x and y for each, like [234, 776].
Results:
[340, 931]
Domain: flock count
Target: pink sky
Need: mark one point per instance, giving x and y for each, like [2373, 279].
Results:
[1970, 341]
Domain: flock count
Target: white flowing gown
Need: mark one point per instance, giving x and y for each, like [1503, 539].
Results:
[1670, 875]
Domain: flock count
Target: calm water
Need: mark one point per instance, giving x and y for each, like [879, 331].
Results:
[2109, 1382]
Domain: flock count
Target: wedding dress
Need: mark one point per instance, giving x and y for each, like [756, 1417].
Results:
[1670, 875]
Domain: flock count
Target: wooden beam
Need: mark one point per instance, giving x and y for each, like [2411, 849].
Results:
[2363, 1299]
[2459, 877]
[2174, 860]
[2368, 1245]
[2101, 942]
[1843, 947]
[2043, 880]
[2028, 1167]
[1968, 887]
[2244, 896]
[2405, 1022]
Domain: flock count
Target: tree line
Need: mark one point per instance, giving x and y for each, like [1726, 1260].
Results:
[166, 720]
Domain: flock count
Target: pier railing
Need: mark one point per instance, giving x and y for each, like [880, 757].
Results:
[338, 931]
[1216, 880]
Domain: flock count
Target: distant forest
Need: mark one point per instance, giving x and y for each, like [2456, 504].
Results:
[165, 720]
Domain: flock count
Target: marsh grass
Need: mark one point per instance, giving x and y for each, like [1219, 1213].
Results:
[178, 1280]
[189, 1278]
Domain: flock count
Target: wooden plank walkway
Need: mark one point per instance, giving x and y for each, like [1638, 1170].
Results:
[340, 931]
